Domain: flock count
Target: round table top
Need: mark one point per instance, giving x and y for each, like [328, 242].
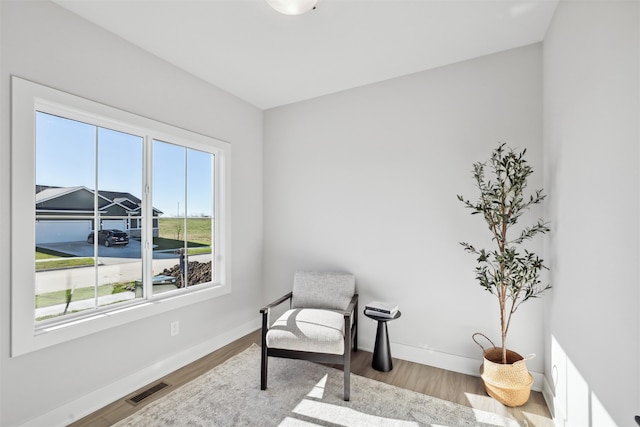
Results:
[382, 318]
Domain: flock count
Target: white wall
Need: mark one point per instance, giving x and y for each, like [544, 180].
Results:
[591, 157]
[366, 181]
[47, 44]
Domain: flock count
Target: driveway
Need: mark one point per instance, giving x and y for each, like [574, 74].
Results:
[107, 255]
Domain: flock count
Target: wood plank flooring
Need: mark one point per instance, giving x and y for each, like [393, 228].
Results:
[459, 388]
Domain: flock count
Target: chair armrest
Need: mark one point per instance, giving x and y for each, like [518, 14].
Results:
[265, 309]
[353, 304]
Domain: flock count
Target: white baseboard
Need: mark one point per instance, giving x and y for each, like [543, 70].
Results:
[91, 402]
[557, 412]
[450, 362]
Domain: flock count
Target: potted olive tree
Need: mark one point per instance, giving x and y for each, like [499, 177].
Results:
[507, 270]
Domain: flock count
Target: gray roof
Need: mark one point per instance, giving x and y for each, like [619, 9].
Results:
[126, 200]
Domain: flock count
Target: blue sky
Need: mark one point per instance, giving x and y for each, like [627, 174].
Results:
[66, 157]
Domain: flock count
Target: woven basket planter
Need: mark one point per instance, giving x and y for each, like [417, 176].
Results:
[510, 383]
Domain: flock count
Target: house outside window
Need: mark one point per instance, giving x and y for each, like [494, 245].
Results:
[128, 216]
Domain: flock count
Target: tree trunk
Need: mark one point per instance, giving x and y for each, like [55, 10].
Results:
[504, 347]
[504, 324]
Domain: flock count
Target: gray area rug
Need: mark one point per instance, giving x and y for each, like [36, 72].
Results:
[300, 393]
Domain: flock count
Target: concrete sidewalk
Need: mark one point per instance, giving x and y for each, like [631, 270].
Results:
[88, 304]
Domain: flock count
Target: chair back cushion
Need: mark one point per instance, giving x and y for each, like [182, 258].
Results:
[331, 290]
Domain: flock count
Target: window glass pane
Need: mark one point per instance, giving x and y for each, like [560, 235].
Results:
[199, 216]
[183, 209]
[75, 271]
[65, 173]
[168, 201]
[119, 201]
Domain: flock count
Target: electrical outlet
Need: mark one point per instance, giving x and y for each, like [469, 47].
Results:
[175, 328]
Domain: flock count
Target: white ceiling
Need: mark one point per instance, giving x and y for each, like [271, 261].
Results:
[269, 59]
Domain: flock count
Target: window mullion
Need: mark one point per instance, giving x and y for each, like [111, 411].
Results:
[218, 238]
[96, 220]
[185, 273]
[147, 217]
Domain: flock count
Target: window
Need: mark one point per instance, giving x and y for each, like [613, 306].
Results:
[88, 200]
[128, 217]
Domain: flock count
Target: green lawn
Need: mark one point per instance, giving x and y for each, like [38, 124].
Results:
[60, 297]
[199, 251]
[162, 243]
[42, 253]
[48, 259]
[198, 229]
[52, 262]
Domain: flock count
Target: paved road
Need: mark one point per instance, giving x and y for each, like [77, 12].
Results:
[112, 272]
[116, 264]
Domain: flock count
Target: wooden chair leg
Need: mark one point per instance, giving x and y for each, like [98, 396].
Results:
[264, 358]
[347, 363]
[347, 373]
[355, 339]
[355, 328]
[263, 369]
[347, 383]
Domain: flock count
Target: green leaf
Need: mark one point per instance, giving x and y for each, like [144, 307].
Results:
[504, 271]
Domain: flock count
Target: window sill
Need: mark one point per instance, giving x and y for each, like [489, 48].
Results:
[56, 333]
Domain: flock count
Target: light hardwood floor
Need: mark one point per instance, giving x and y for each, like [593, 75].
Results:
[459, 388]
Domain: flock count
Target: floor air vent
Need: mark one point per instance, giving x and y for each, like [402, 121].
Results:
[146, 393]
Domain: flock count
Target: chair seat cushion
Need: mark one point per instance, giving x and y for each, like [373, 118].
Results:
[308, 329]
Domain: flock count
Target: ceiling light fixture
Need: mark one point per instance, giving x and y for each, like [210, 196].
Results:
[292, 7]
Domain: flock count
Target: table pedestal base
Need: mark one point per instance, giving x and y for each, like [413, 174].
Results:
[382, 352]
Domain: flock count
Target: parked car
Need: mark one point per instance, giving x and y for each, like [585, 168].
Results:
[110, 237]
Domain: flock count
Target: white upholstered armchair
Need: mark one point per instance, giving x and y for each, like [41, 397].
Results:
[320, 325]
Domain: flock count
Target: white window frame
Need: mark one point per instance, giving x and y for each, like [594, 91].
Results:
[26, 334]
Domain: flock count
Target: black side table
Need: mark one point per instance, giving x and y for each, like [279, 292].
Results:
[381, 351]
